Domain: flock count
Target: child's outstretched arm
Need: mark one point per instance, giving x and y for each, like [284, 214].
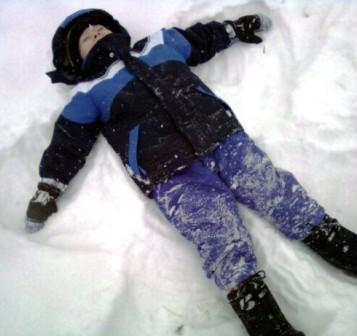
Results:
[73, 137]
[205, 40]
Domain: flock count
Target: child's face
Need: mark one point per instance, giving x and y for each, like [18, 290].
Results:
[89, 37]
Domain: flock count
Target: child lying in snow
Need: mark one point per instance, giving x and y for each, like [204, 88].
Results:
[184, 148]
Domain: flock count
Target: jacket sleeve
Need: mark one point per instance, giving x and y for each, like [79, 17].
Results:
[205, 40]
[75, 132]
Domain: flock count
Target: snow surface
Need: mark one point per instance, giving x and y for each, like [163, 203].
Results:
[108, 263]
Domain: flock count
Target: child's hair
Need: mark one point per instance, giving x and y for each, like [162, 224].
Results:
[66, 56]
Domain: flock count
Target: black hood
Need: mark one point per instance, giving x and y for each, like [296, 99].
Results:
[66, 58]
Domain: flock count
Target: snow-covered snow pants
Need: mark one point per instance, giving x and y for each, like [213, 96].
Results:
[201, 202]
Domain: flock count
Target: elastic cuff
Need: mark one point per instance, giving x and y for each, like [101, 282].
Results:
[52, 182]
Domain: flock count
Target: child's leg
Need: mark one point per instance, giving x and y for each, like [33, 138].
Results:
[274, 193]
[205, 211]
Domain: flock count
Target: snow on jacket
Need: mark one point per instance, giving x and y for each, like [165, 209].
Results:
[152, 142]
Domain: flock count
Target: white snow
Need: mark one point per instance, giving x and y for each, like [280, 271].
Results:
[108, 263]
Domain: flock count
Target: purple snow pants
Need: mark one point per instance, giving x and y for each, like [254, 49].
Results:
[201, 202]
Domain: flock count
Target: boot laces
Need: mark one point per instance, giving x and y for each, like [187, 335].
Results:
[252, 292]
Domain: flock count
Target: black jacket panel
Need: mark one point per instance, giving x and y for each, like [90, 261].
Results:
[206, 40]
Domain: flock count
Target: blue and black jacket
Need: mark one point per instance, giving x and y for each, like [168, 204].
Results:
[152, 142]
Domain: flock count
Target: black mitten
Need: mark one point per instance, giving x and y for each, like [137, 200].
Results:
[41, 206]
[246, 27]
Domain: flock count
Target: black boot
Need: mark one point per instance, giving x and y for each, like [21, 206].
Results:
[259, 312]
[335, 244]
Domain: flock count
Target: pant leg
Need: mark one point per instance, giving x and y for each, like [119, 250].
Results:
[205, 212]
[272, 192]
